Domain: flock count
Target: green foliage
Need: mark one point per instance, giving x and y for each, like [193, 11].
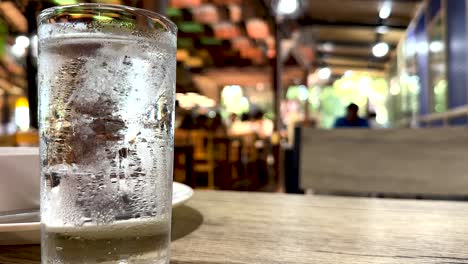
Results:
[3, 36]
[331, 106]
[210, 41]
[191, 27]
[440, 96]
[331, 101]
[184, 43]
[65, 2]
[173, 12]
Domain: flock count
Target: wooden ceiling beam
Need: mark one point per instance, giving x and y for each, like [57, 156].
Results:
[395, 1]
[330, 55]
[306, 21]
[353, 44]
[372, 66]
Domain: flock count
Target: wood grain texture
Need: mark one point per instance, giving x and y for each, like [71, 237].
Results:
[401, 161]
[246, 228]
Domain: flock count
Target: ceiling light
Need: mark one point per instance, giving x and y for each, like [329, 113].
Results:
[287, 7]
[18, 51]
[22, 114]
[385, 10]
[324, 73]
[382, 29]
[436, 46]
[422, 47]
[327, 47]
[380, 49]
[22, 41]
[410, 49]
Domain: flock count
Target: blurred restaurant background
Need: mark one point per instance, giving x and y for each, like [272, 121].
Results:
[249, 72]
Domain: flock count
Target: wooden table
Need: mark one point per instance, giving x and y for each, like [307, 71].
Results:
[235, 227]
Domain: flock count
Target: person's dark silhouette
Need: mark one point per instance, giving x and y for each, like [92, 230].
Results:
[351, 119]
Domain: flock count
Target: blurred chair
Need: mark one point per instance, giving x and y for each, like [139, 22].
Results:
[183, 164]
[7, 140]
[229, 163]
[222, 169]
[182, 137]
[249, 158]
[235, 158]
[27, 139]
[203, 155]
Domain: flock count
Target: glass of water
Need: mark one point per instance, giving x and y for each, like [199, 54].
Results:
[106, 84]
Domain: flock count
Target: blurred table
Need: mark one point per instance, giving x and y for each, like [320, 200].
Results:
[234, 227]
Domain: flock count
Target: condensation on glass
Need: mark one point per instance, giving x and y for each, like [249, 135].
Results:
[106, 83]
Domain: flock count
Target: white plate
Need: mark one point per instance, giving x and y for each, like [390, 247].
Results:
[22, 229]
[181, 193]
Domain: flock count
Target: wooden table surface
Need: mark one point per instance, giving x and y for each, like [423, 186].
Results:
[236, 227]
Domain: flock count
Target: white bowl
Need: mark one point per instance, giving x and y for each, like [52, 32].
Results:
[19, 178]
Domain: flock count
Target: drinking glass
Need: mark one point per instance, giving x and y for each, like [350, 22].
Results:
[106, 98]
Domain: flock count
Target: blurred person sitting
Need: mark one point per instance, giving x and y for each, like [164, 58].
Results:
[180, 114]
[201, 122]
[262, 126]
[372, 120]
[182, 132]
[231, 119]
[351, 119]
[241, 127]
[187, 123]
[217, 126]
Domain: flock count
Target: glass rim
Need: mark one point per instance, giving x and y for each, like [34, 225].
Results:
[164, 21]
